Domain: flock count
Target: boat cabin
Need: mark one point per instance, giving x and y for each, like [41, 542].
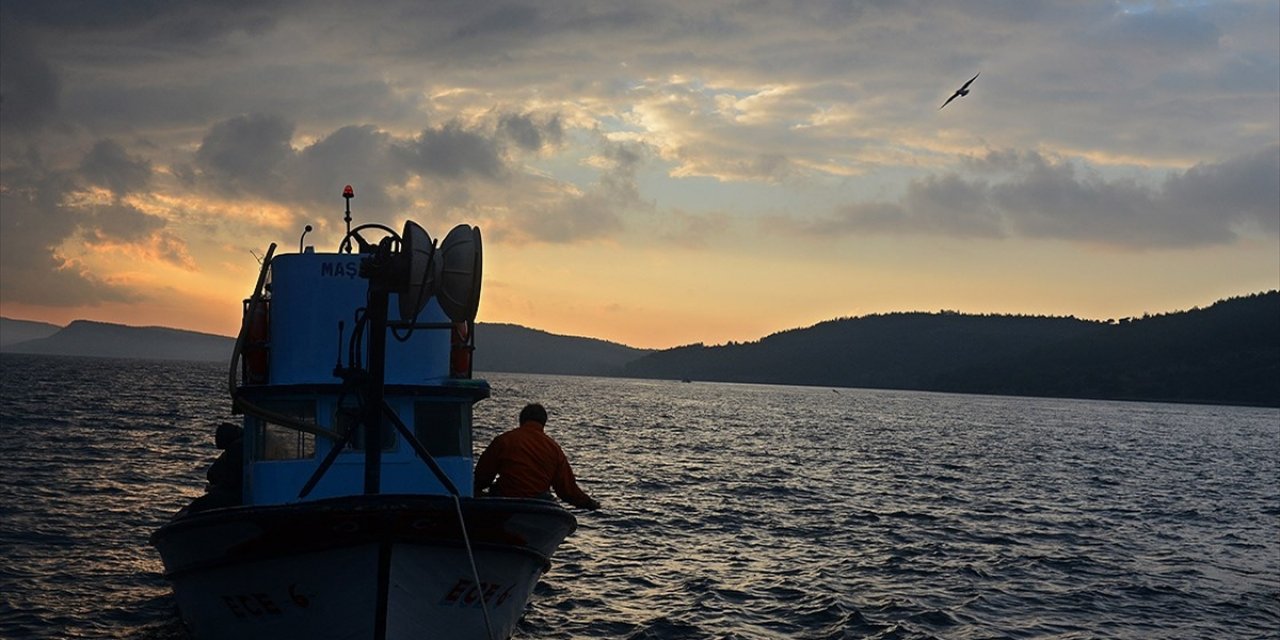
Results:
[299, 345]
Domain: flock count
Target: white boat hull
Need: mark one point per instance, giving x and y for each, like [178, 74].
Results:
[381, 573]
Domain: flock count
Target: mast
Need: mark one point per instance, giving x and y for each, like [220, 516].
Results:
[379, 268]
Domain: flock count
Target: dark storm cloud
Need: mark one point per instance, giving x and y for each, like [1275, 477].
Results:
[1039, 198]
[513, 25]
[529, 134]
[935, 205]
[450, 151]
[361, 156]
[108, 165]
[29, 87]
[255, 154]
[952, 205]
[249, 152]
[177, 21]
[502, 21]
[138, 66]
[1245, 188]
[458, 164]
[120, 222]
[1061, 201]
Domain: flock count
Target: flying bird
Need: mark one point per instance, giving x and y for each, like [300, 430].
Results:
[962, 91]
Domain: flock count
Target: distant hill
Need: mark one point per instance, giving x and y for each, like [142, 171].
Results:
[500, 347]
[1228, 353]
[517, 349]
[15, 331]
[106, 340]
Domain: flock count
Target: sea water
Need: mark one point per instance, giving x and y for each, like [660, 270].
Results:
[730, 511]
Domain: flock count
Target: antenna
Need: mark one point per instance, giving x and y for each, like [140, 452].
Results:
[305, 231]
[347, 194]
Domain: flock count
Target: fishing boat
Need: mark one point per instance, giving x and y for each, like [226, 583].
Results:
[342, 506]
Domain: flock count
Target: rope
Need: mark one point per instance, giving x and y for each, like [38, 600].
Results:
[471, 556]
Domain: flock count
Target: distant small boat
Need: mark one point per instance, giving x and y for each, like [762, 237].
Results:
[343, 507]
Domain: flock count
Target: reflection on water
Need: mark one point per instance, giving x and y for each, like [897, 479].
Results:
[729, 510]
[96, 454]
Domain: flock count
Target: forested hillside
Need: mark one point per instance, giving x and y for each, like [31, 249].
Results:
[1229, 352]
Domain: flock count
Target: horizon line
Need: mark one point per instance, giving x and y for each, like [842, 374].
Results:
[796, 328]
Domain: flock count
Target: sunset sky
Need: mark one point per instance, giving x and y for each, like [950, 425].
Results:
[651, 173]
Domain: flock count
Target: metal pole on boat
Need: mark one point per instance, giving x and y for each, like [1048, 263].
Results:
[376, 268]
[373, 393]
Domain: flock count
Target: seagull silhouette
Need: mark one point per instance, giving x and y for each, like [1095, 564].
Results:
[962, 91]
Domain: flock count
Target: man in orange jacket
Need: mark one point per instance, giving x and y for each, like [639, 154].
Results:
[528, 463]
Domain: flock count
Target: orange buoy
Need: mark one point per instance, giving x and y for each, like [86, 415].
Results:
[257, 342]
[460, 349]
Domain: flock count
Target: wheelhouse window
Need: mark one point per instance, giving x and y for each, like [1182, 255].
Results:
[347, 418]
[443, 427]
[278, 442]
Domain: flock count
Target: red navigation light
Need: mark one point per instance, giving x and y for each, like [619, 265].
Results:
[348, 192]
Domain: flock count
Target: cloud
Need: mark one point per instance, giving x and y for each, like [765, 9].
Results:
[108, 165]
[695, 231]
[450, 151]
[33, 224]
[170, 248]
[169, 22]
[727, 91]
[157, 118]
[572, 215]
[1208, 204]
[503, 21]
[255, 154]
[461, 169]
[248, 152]
[716, 133]
[157, 245]
[1243, 189]
[29, 87]
[119, 222]
[42, 207]
[1159, 31]
[359, 155]
[528, 134]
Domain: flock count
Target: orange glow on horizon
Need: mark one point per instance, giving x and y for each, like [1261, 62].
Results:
[659, 297]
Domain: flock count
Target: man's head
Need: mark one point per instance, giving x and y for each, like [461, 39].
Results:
[534, 412]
